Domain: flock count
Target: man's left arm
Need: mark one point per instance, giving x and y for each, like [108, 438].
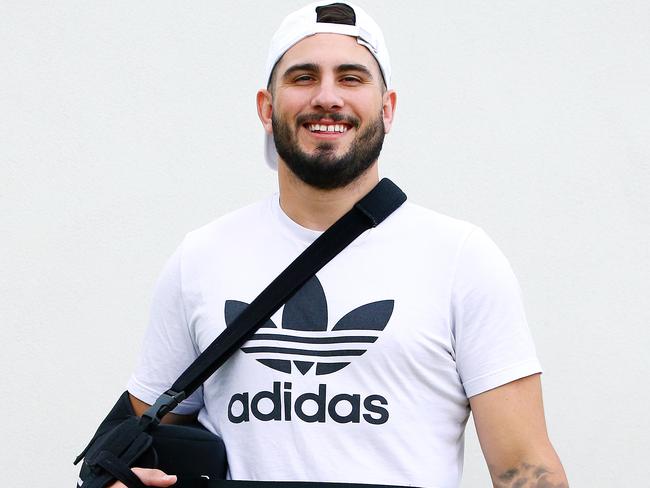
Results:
[512, 432]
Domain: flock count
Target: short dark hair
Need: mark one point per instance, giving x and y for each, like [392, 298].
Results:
[334, 13]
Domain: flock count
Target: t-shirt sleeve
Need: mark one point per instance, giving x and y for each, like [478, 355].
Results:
[493, 344]
[168, 347]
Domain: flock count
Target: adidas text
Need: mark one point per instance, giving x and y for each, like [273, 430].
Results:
[284, 407]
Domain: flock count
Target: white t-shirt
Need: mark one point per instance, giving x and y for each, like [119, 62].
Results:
[364, 375]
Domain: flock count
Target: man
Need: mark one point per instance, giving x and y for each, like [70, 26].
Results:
[421, 316]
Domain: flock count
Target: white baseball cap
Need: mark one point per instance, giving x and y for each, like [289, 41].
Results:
[304, 23]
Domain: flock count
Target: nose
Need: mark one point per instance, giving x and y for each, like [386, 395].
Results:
[327, 96]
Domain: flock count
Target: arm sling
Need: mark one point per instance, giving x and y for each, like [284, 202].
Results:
[195, 455]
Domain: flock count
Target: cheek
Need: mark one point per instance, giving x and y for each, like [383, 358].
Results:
[292, 102]
[368, 106]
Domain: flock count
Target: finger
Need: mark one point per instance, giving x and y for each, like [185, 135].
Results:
[154, 477]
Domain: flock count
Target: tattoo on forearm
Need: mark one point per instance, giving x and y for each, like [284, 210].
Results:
[527, 476]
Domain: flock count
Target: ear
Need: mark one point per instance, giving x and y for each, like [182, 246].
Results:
[265, 109]
[388, 109]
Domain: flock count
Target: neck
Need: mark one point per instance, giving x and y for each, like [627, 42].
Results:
[318, 209]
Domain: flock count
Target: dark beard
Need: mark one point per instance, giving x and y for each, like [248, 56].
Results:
[323, 170]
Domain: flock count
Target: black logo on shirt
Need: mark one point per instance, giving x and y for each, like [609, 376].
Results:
[305, 335]
[319, 406]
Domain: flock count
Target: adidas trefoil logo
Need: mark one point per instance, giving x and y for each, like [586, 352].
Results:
[305, 340]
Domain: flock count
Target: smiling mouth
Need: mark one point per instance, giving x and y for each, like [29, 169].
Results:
[327, 125]
[327, 128]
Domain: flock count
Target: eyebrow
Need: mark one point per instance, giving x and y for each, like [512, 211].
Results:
[310, 67]
[354, 67]
[314, 68]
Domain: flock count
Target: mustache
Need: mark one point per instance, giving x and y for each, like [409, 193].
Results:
[336, 117]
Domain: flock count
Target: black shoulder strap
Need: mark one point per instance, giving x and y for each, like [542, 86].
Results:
[369, 212]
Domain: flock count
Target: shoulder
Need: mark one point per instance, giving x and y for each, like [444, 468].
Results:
[241, 224]
[415, 214]
[428, 227]
[459, 246]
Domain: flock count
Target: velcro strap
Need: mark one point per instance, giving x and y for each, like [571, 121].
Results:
[126, 444]
[126, 441]
[120, 470]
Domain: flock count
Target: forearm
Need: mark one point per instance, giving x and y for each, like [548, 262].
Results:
[530, 474]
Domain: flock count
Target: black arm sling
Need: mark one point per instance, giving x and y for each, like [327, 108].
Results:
[195, 455]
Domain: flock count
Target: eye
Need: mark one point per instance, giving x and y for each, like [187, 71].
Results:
[302, 79]
[350, 80]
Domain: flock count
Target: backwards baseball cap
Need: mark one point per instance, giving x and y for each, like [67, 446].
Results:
[311, 20]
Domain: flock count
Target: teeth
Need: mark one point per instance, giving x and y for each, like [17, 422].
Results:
[327, 128]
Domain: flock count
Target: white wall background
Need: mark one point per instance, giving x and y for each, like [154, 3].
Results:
[125, 124]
